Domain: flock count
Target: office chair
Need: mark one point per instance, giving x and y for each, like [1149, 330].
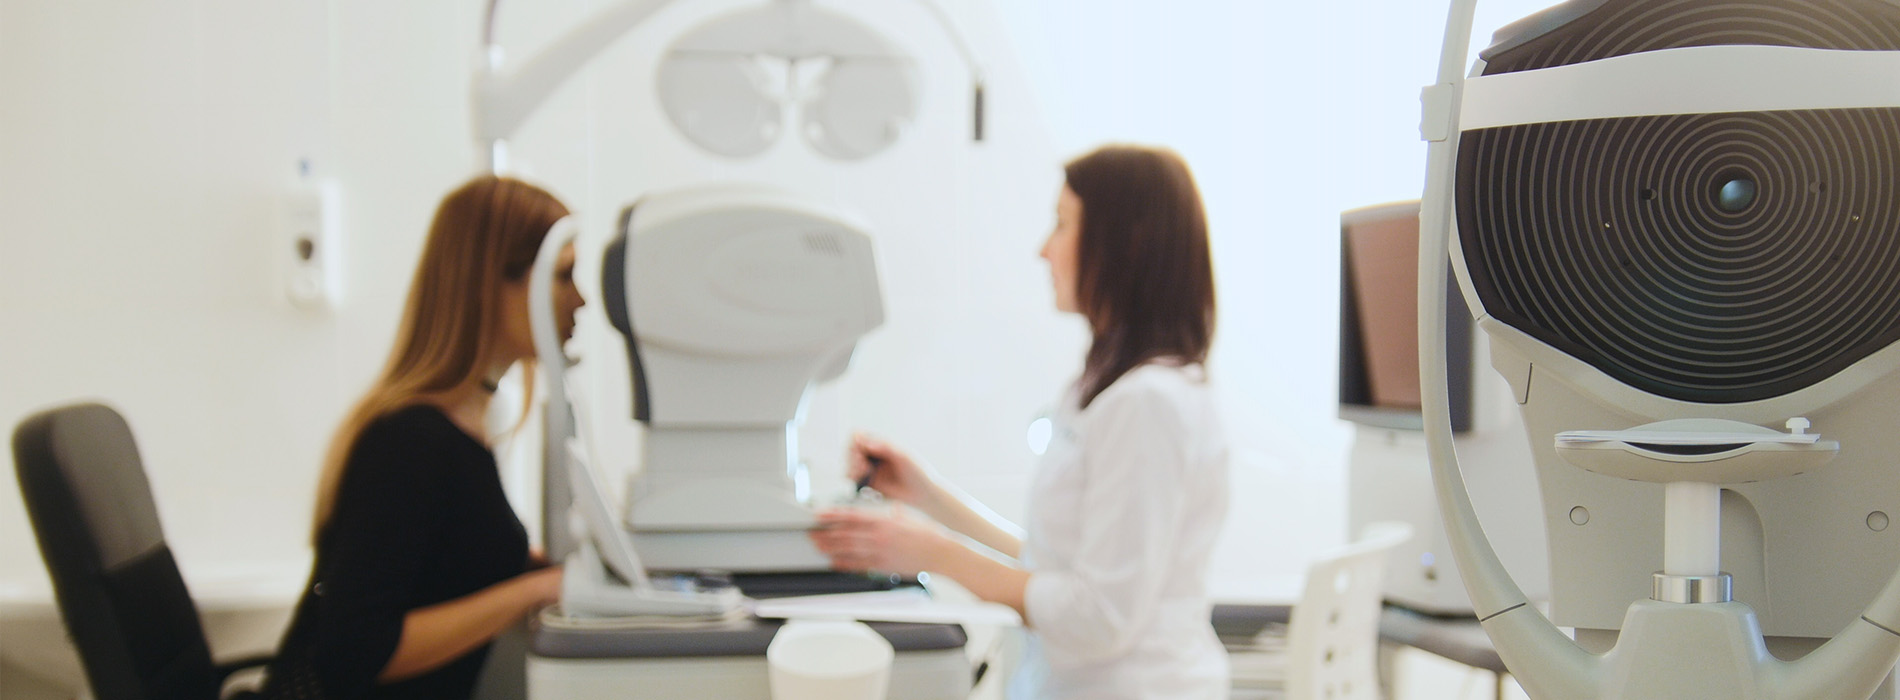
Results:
[1331, 647]
[120, 594]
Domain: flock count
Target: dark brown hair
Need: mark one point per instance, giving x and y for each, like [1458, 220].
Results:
[1144, 277]
[485, 233]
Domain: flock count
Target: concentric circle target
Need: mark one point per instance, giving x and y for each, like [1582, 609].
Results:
[1712, 257]
[1594, 29]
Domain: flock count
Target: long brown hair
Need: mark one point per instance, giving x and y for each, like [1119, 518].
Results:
[1144, 276]
[485, 233]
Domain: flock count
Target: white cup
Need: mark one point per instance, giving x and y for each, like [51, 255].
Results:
[829, 660]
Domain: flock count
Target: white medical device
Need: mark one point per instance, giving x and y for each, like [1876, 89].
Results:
[606, 578]
[728, 84]
[1676, 222]
[734, 301]
[604, 575]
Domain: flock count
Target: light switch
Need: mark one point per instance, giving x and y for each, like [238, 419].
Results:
[309, 245]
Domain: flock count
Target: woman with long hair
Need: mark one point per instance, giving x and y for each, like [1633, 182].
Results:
[420, 560]
[1111, 576]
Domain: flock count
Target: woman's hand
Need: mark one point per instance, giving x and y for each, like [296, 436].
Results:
[889, 542]
[544, 584]
[897, 476]
[436, 635]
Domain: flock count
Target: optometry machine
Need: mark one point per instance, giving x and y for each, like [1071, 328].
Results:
[732, 300]
[743, 297]
[1678, 224]
[721, 361]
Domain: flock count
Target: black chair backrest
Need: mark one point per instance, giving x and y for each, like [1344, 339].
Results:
[119, 590]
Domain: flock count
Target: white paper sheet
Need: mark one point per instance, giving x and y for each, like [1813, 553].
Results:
[888, 606]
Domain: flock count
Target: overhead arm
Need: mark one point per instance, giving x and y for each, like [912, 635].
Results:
[503, 100]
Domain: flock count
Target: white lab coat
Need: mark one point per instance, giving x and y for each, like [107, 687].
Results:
[1126, 505]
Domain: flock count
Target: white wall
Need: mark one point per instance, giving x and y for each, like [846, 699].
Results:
[142, 145]
[138, 162]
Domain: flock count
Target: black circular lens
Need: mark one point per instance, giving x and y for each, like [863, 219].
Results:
[1721, 289]
[1735, 195]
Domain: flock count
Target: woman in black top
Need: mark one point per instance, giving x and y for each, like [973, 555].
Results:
[420, 560]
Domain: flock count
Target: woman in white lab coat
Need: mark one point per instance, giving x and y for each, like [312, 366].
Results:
[1127, 503]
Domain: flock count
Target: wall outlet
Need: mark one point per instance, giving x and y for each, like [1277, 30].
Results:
[309, 245]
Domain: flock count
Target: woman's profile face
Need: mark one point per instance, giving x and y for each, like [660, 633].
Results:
[567, 296]
[1060, 249]
[517, 336]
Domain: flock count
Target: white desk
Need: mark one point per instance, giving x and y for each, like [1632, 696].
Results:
[933, 662]
[244, 607]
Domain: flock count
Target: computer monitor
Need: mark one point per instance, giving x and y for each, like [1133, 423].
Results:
[1388, 470]
[1378, 322]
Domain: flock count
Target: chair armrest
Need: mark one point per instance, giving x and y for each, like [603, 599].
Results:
[224, 672]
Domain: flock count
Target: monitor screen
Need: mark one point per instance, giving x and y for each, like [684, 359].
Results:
[1378, 322]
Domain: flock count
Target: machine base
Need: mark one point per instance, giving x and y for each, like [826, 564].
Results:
[736, 551]
[727, 661]
[915, 675]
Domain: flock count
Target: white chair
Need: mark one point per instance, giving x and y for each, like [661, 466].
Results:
[1330, 647]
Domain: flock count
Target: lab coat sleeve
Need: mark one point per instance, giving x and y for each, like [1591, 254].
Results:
[1134, 456]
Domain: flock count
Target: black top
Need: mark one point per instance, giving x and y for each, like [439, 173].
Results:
[419, 518]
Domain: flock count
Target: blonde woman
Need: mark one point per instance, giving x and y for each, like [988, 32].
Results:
[420, 560]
